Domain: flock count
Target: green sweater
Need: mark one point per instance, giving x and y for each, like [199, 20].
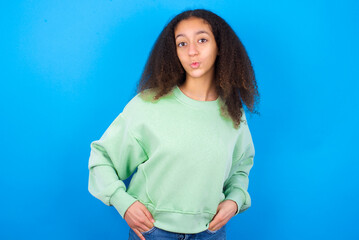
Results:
[189, 158]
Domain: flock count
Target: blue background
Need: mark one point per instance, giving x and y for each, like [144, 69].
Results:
[69, 67]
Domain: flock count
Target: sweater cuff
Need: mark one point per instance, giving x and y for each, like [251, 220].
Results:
[121, 200]
[238, 196]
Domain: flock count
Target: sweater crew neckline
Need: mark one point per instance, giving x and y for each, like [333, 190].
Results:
[195, 103]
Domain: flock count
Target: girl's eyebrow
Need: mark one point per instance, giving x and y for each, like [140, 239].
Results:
[199, 32]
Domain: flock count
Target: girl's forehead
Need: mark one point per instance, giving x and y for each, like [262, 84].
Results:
[192, 24]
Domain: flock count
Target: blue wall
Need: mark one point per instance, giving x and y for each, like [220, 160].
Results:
[69, 67]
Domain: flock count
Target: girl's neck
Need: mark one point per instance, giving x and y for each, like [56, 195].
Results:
[199, 90]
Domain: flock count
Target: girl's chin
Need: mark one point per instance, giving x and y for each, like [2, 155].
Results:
[197, 74]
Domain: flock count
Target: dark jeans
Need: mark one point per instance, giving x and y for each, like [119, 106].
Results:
[160, 234]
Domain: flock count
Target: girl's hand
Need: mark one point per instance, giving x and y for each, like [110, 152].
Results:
[139, 218]
[225, 211]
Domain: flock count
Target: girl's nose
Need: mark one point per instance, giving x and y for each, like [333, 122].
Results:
[192, 50]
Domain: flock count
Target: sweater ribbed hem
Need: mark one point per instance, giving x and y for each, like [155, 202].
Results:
[179, 222]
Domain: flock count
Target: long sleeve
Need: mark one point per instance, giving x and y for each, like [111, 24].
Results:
[236, 185]
[113, 158]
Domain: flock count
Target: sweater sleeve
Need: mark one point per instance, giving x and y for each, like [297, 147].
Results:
[236, 186]
[113, 158]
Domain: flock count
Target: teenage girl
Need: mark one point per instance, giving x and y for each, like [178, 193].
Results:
[186, 134]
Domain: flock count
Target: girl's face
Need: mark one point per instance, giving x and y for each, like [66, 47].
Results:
[196, 47]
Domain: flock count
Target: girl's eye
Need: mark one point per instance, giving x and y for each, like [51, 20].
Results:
[181, 44]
